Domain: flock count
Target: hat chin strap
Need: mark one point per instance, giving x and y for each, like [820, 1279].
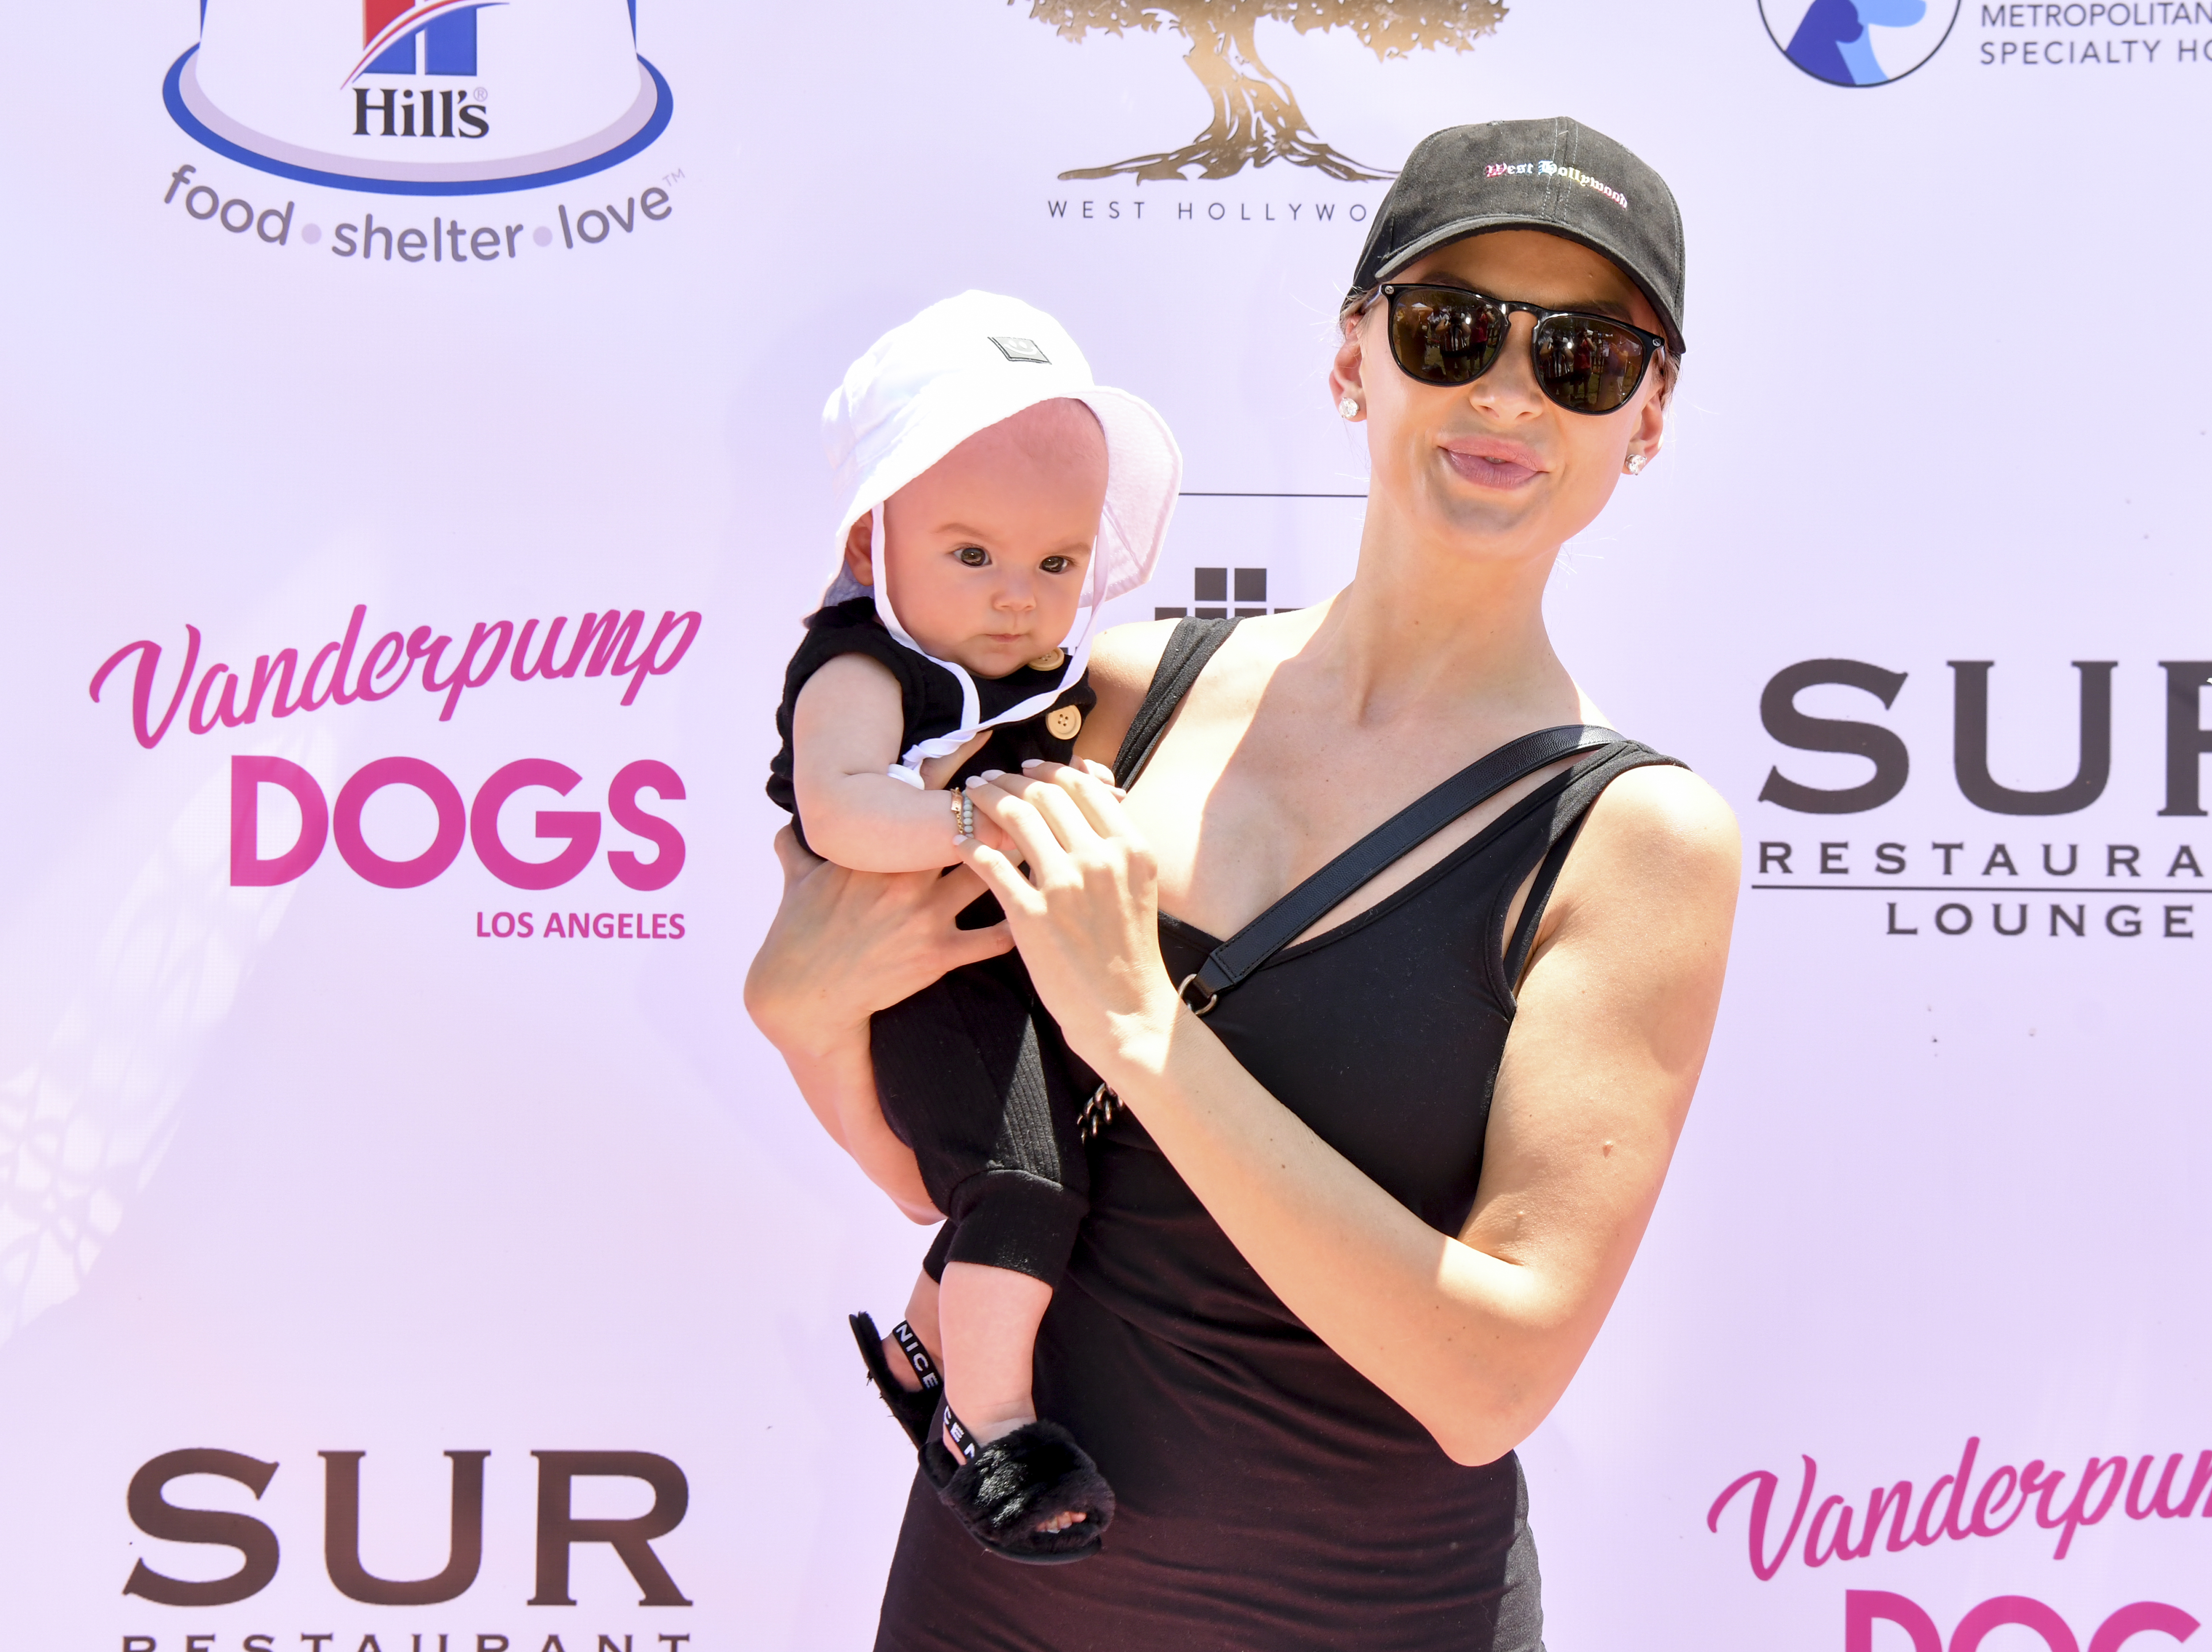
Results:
[972, 723]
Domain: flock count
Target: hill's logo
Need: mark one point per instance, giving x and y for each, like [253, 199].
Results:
[1256, 117]
[420, 97]
[1859, 42]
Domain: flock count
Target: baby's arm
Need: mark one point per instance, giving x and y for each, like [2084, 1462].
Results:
[845, 734]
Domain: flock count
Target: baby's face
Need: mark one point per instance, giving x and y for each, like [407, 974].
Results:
[987, 550]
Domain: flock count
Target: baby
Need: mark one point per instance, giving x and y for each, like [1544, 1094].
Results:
[994, 499]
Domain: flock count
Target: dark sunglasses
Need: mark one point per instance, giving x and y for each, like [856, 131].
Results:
[1450, 336]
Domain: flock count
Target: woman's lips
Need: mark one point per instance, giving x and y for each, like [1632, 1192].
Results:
[1493, 463]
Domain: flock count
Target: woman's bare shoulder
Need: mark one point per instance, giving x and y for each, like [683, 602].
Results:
[1122, 661]
[1664, 825]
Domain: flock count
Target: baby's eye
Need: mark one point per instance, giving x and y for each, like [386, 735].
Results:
[973, 556]
[1057, 564]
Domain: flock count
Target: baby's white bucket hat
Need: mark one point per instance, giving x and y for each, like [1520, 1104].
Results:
[960, 367]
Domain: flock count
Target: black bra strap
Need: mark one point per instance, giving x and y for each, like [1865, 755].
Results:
[1405, 831]
[1190, 645]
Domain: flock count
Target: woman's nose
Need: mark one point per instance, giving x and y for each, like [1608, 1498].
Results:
[1510, 390]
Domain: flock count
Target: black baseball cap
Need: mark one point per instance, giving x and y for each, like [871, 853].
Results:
[1555, 175]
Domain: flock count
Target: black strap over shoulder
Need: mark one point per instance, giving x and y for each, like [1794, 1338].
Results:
[1190, 645]
[1396, 837]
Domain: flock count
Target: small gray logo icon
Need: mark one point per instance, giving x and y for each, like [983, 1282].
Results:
[1020, 349]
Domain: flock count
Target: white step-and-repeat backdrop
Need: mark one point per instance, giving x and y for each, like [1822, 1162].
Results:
[412, 485]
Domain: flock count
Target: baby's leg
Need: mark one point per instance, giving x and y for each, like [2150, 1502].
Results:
[989, 1317]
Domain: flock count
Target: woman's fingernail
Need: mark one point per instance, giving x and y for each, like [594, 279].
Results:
[1032, 763]
[993, 774]
[971, 782]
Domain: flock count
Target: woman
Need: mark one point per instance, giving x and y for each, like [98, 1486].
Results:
[1349, 1240]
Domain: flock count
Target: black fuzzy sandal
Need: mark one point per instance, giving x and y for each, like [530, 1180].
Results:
[1004, 1490]
[915, 1411]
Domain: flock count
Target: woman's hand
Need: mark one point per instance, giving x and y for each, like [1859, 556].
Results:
[1086, 917]
[843, 946]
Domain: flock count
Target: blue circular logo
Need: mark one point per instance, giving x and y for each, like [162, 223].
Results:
[1859, 42]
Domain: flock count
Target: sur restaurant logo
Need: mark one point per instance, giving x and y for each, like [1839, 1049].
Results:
[420, 97]
[1859, 42]
[1256, 117]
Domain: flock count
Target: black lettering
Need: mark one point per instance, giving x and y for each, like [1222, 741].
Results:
[2000, 856]
[473, 124]
[631, 1540]
[1966, 919]
[1889, 857]
[1055, 209]
[369, 231]
[2117, 855]
[483, 243]
[1831, 863]
[2078, 922]
[342, 1535]
[1774, 857]
[342, 241]
[2186, 738]
[629, 221]
[2073, 857]
[2185, 860]
[2177, 923]
[2130, 924]
[362, 105]
[1777, 710]
[1946, 850]
[654, 203]
[1894, 929]
[155, 1516]
[1970, 752]
[1996, 919]
[411, 243]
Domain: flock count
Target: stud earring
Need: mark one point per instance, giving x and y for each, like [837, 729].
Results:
[1348, 408]
[1636, 462]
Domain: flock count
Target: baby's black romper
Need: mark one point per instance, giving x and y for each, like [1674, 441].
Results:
[971, 1071]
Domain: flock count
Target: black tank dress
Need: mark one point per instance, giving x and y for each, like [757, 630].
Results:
[1271, 1498]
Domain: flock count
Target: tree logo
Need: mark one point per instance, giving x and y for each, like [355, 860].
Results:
[1256, 119]
[419, 97]
[1859, 42]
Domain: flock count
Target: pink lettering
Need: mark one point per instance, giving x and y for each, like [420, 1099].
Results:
[580, 827]
[2076, 1513]
[645, 876]
[651, 662]
[465, 674]
[1762, 1503]
[354, 796]
[142, 688]
[247, 776]
[1863, 1608]
[198, 719]
[613, 640]
[2143, 1618]
[2013, 1609]
[1991, 1499]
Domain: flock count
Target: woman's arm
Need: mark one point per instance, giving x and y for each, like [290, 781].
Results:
[1475, 1336]
[843, 946]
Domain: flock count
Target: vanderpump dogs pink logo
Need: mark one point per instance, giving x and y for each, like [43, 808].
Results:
[420, 97]
[1967, 1504]
[345, 672]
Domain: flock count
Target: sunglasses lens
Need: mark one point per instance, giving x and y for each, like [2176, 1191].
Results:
[1588, 364]
[1443, 336]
